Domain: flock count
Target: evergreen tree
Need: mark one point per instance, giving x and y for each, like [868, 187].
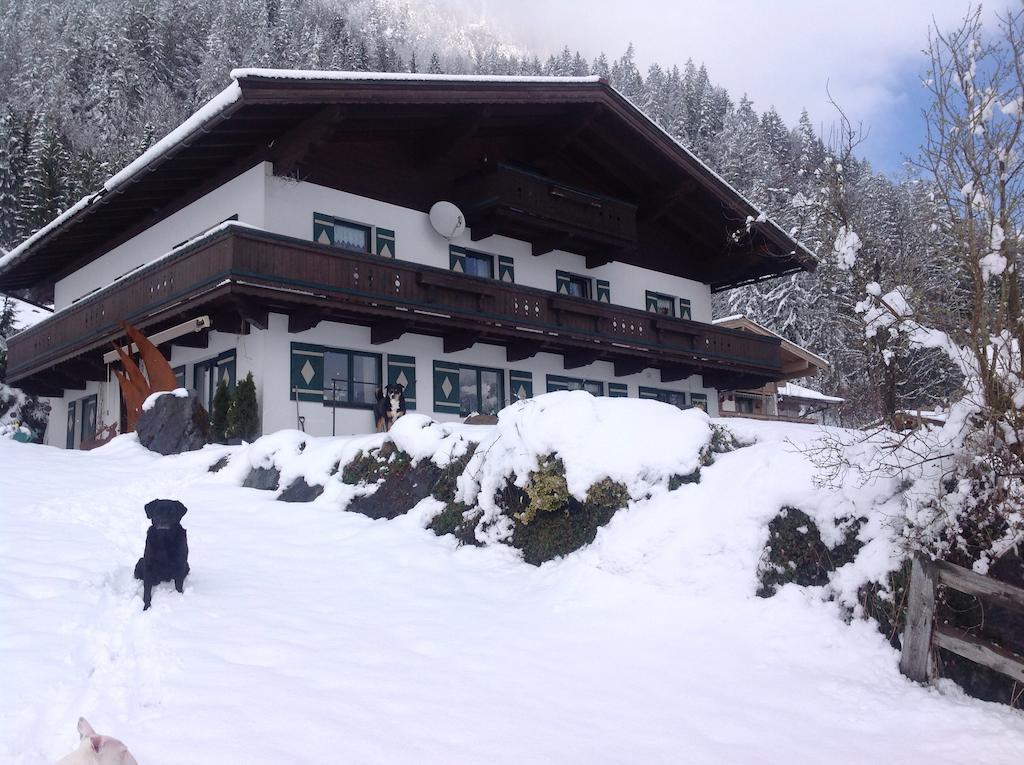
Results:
[434, 67]
[243, 414]
[219, 416]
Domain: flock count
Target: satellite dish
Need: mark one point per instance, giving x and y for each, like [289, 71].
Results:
[447, 219]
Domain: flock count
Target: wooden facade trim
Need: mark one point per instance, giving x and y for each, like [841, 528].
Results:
[246, 272]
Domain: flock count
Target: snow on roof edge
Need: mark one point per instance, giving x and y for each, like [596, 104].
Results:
[327, 74]
[793, 390]
[744, 317]
[193, 123]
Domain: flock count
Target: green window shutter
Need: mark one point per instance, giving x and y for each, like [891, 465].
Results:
[649, 393]
[506, 269]
[456, 259]
[307, 372]
[618, 390]
[225, 369]
[562, 279]
[684, 310]
[323, 228]
[604, 291]
[652, 301]
[385, 243]
[699, 400]
[70, 441]
[402, 370]
[446, 388]
[520, 385]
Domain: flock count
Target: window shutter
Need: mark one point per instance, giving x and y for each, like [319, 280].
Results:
[562, 279]
[618, 390]
[402, 370]
[456, 259]
[323, 228]
[520, 384]
[506, 269]
[652, 301]
[385, 243]
[446, 388]
[684, 309]
[699, 400]
[225, 369]
[604, 291]
[70, 441]
[307, 373]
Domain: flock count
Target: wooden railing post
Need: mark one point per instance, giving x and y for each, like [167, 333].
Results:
[915, 661]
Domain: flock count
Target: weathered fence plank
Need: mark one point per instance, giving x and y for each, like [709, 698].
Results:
[992, 590]
[986, 654]
[915, 661]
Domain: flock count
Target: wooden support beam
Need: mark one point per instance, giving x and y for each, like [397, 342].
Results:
[88, 369]
[63, 380]
[459, 341]
[564, 134]
[227, 321]
[658, 204]
[387, 330]
[482, 230]
[598, 259]
[38, 387]
[303, 320]
[546, 244]
[445, 141]
[288, 151]
[199, 339]
[254, 315]
[915, 661]
[576, 359]
[521, 351]
[992, 590]
[675, 372]
[624, 367]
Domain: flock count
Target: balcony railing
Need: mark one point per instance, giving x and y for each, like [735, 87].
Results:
[238, 265]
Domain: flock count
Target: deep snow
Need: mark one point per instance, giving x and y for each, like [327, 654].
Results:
[309, 635]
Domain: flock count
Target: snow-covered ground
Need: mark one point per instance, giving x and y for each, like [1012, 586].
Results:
[309, 635]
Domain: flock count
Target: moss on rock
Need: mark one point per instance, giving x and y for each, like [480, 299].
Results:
[796, 553]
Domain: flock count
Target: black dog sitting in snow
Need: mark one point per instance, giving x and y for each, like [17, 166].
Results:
[389, 407]
[166, 556]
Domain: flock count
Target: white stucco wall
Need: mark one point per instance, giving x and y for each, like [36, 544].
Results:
[291, 204]
[244, 195]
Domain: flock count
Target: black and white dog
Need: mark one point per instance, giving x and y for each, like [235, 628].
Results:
[166, 555]
[389, 407]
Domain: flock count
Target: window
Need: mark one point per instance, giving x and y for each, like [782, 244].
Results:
[663, 304]
[478, 264]
[179, 376]
[676, 398]
[480, 390]
[88, 419]
[206, 375]
[557, 382]
[574, 285]
[341, 233]
[351, 378]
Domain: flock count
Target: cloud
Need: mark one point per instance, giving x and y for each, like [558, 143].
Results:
[781, 53]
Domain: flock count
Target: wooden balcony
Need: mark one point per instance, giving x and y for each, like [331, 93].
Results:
[502, 199]
[238, 275]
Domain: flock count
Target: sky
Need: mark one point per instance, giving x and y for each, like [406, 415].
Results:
[781, 53]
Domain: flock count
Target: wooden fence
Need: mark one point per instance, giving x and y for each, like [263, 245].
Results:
[921, 632]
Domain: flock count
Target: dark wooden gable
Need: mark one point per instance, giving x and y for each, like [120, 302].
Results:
[414, 142]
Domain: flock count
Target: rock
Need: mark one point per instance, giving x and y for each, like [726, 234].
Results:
[402, 489]
[174, 424]
[266, 479]
[217, 466]
[300, 491]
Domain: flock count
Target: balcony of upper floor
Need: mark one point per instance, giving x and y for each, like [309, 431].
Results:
[237, 275]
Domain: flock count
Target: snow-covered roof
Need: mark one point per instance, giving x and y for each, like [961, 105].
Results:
[792, 390]
[737, 320]
[224, 101]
